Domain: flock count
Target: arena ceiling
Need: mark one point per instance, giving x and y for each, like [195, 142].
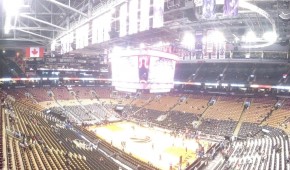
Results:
[40, 21]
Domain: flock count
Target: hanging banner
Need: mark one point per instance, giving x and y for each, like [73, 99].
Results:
[222, 50]
[231, 7]
[198, 41]
[208, 9]
[158, 11]
[214, 51]
[209, 41]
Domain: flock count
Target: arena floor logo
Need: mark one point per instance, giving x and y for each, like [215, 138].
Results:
[141, 139]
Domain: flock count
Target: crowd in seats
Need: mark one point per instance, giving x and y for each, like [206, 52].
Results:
[103, 92]
[82, 92]
[142, 100]
[39, 94]
[37, 140]
[195, 104]
[30, 103]
[89, 113]
[249, 130]
[62, 93]
[97, 110]
[79, 112]
[2, 128]
[162, 103]
[148, 115]
[225, 108]
[179, 120]
[165, 111]
[17, 93]
[280, 116]
[218, 127]
[129, 110]
[259, 109]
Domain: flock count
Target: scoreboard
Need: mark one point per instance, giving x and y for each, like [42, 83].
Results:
[143, 69]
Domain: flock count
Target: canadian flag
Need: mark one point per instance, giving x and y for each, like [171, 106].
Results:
[34, 52]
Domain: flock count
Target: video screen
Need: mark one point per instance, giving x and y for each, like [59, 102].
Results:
[161, 70]
[130, 73]
[144, 63]
[124, 70]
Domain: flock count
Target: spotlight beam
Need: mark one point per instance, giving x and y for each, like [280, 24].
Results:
[32, 33]
[41, 21]
[260, 11]
[67, 7]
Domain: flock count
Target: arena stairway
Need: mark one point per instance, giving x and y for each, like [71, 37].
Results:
[83, 107]
[203, 113]
[150, 100]
[216, 163]
[3, 133]
[239, 124]
[94, 94]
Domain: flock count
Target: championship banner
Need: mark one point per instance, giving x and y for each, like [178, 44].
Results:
[214, 51]
[222, 50]
[198, 41]
[144, 15]
[198, 3]
[158, 12]
[123, 20]
[209, 41]
[143, 65]
[231, 7]
[133, 17]
[192, 55]
[208, 9]
[204, 52]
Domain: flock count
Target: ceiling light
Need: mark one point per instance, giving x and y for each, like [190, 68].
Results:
[7, 26]
[142, 45]
[250, 37]
[11, 10]
[12, 7]
[188, 39]
[218, 37]
[117, 50]
[270, 36]
[204, 39]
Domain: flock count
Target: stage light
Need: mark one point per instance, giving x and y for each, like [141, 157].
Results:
[218, 36]
[142, 45]
[159, 44]
[250, 37]
[12, 7]
[113, 11]
[270, 36]
[204, 40]
[117, 49]
[7, 26]
[188, 39]
[3, 51]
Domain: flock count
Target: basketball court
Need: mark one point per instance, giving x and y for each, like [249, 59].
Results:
[152, 145]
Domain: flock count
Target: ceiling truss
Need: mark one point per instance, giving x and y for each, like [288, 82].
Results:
[43, 20]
